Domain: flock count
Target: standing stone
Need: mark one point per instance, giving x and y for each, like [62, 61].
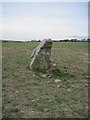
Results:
[41, 56]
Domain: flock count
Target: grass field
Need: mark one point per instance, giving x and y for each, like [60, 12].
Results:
[27, 95]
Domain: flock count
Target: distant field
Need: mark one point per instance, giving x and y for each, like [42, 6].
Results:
[26, 95]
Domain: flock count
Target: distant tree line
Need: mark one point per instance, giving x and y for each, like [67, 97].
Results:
[73, 40]
[35, 40]
[66, 40]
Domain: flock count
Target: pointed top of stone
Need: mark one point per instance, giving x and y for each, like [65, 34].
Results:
[45, 42]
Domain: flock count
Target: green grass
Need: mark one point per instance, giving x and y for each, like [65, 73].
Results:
[56, 73]
[14, 110]
[26, 94]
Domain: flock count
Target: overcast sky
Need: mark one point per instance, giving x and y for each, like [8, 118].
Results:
[36, 20]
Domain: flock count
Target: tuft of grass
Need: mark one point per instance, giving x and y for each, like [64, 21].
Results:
[56, 73]
[60, 99]
[14, 110]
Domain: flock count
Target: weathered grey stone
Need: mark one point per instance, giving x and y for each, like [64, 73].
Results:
[41, 56]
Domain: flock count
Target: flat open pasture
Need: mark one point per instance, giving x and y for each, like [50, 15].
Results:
[27, 95]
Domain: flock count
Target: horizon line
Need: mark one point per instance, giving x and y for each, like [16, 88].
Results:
[42, 39]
